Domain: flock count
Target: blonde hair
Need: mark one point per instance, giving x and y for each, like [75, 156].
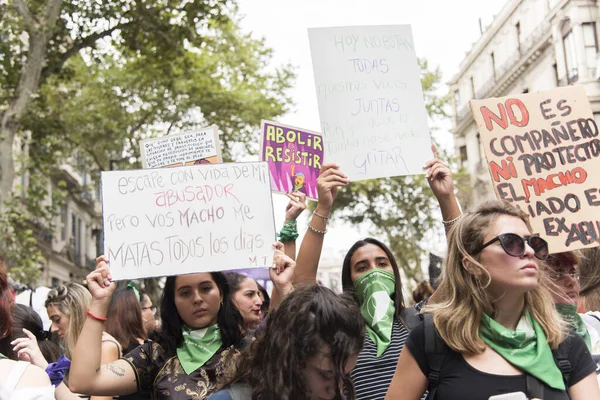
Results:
[589, 279]
[461, 298]
[72, 300]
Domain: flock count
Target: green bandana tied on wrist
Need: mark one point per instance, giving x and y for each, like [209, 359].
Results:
[569, 314]
[526, 348]
[289, 232]
[374, 290]
[198, 347]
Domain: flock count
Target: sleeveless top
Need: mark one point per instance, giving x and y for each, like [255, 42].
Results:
[8, 391]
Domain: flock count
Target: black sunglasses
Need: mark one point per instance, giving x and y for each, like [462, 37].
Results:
[514, 245]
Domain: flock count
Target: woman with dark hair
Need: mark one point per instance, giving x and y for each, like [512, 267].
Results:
[26, 320]
[309, 345]
[196, 347]
[125, 319]
[246, 297]
[18, 379]
[370, 272]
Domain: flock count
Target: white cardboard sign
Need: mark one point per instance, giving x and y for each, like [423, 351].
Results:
[185, 220]
[189, 148]
[373, 116]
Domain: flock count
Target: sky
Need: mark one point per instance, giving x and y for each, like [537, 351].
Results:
[443, 32]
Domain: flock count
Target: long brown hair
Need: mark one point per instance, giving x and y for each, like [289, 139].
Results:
[461, 298]
[124, 319]
[5, 313]
[307, 320]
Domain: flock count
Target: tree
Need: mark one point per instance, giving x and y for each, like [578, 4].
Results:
[400, 209]
[112, 74]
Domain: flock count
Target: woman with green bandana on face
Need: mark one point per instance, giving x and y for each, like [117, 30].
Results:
[495, 322]
[371, 272]
[195, 349]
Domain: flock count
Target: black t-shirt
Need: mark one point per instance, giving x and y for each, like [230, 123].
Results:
[460, 381]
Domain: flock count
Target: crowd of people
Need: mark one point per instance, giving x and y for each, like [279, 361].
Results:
[505, 320]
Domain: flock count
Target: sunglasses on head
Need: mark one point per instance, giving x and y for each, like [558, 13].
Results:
[514, 245]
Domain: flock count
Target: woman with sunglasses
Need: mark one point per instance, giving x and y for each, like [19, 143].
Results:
[496, 319]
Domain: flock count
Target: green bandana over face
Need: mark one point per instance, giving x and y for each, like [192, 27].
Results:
[374, 289]
[526, 348]
[198, 347]
[569, 314]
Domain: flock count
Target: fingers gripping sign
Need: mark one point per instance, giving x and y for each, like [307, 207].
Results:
[328, 184]
[296, 206]
[439, 176]
[99, 281]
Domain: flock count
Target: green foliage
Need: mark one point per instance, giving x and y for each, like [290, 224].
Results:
[117, 72]
[400, 210]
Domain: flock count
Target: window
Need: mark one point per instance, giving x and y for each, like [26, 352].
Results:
[64, 222]
[597, 118]
[518, 29]
[590, 44]
[457, 98]
[76, 234]
[55, 282]
[463, 156]
[570, 56]
[472, 88]
[493, 65]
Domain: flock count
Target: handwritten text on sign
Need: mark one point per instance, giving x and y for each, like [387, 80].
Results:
[373, 117]
[543, 152]
[197, 147]
[294, 156]
[187, 219]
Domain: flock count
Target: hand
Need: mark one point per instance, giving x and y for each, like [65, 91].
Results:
[27, 349]
[439, 176]
[296, 206]
[99, 281]
[282, 272]
[329, 181]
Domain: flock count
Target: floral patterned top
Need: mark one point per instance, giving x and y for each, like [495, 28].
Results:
[165, 378]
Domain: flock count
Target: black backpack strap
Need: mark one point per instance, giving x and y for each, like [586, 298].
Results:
[561, 356]
[535, 388]
[410, 317]
[436, 351]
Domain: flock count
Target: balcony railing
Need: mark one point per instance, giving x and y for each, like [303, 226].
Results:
[533, 41]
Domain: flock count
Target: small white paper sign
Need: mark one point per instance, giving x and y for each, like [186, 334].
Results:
[200, 147]
[185, 220]
[373, 116]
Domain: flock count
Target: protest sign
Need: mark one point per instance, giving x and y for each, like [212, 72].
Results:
[190, 148]
[183, 220]
[542, 151]
[294, 155]
[373, 117]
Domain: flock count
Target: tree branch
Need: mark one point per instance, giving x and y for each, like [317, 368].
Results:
[51, 15]
[85, 42]
[30, 22]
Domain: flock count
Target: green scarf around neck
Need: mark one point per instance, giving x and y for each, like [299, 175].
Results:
[526, 348]
[374, 290]
[569, 314]
[198, 347]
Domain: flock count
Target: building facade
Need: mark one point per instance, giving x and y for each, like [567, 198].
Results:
[71, 249]
[530, 46]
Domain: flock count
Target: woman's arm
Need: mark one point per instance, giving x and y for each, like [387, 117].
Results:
[586, 389]
[293, 210]
[109, 353]
[87, 374]
[282, 275]
[408, 382]
[441, 183]
[328, 183]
